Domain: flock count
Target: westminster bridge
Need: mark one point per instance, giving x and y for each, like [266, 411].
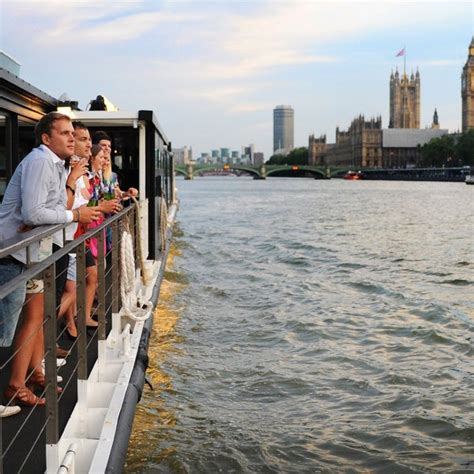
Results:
[323, 172]
[190, 170]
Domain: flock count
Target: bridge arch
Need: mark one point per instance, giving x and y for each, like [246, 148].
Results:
[300, 170]
[180, 171]
[252, 171]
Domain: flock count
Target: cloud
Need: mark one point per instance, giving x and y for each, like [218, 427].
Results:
[250, 107]
[215, 58]
[442, 62]
[95, 22]
[237, 67]
[220, 93]
[270, 35]
[116, 30]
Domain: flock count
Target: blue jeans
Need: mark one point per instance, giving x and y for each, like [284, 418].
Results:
[10, 306]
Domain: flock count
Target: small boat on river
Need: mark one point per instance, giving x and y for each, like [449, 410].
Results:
[353, 175]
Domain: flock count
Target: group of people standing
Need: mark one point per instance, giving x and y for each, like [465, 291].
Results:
[66, 179]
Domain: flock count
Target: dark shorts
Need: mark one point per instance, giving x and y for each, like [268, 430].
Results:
[72, 267]
[61, 275]
[90, 260]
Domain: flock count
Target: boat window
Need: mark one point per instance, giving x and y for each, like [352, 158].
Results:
[3, 153]
[26, 137]
[158, 151]
[124, 153]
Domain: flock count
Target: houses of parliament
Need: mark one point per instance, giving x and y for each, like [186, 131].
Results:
[367, 144]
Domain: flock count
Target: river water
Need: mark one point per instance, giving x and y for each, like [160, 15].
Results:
[314, 326]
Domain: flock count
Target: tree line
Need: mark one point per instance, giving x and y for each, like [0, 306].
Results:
[449, 151]
[298, 156]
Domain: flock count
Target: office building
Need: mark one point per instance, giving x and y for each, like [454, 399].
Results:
[182, 156]
[258, 158]
[283, 129]
[225, 154]
[248, 151]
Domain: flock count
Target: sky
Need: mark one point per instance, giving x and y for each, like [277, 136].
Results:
[213, 71]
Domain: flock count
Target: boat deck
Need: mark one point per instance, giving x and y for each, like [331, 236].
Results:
[27, 454]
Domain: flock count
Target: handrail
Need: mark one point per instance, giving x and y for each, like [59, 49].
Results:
[38, 267]
[22, 240]
[104, 309]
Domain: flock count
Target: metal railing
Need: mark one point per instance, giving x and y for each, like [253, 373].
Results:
[40, 426]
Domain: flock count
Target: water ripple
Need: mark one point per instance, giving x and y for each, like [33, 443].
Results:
[324, 341]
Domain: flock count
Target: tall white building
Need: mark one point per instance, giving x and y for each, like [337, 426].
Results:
[182, 156]
[283, 129]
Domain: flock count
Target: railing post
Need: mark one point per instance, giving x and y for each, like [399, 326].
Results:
[132, 220]
[136, 238]
[115, 269]
[52, 423]
[172, 177]
[1, 446]
[101, 300]
[50, 353]
[101, 284]
[81, 312]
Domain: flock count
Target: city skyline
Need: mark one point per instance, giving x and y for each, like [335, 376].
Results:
[214, 71]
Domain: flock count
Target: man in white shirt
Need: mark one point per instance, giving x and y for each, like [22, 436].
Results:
[35, 195]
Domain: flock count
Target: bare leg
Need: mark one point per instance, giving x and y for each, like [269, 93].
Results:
[38, 352]
[91, 287]
[29, 339]
[68, 299]
[70, 321]
[68, 305]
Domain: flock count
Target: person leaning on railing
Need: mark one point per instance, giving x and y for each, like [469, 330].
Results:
[110, 181]
[86, 188]
[109, 177]
[35, 195]
[78, 192]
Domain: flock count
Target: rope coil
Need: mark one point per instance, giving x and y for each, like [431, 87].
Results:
[163, 222]
[132, 306]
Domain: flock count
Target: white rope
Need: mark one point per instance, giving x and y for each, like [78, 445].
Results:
[143, 269]
[132, 306]
[163, 222]
[127, 263]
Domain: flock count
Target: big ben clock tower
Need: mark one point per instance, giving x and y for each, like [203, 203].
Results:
[467, 91]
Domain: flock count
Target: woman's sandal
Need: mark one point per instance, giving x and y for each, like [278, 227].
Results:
[22, 396]
[38, 381]
[69, 335]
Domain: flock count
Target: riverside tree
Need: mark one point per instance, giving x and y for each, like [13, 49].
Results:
[298, 156]
[448, 150]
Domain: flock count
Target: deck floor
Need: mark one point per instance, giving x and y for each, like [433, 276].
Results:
[22, 449]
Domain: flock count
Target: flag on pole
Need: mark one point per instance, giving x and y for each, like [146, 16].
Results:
[400, 53]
